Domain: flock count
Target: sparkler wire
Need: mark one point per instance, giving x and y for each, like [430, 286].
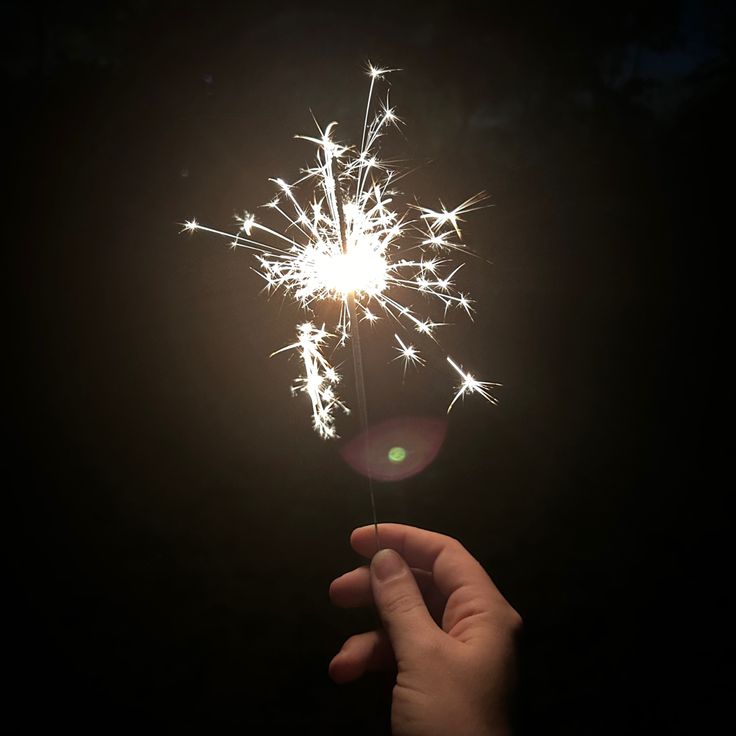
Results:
[357, 353]
[362, 404]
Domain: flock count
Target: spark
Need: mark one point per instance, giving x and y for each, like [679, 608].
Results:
[409, 354]
[471, 385]
[438, 220]
[345, 240]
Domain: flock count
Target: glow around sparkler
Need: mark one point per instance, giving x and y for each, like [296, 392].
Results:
[348, 241]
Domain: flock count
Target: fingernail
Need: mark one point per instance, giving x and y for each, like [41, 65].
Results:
[386, 564]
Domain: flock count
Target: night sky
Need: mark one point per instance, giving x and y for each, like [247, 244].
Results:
[174, 520]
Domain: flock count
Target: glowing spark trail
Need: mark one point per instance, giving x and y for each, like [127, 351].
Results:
[347, 242]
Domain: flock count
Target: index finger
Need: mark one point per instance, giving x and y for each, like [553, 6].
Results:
[452, 566]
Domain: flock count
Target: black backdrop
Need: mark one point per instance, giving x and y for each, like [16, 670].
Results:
[175, 522]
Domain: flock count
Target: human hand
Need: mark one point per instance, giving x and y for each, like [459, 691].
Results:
[448, 631]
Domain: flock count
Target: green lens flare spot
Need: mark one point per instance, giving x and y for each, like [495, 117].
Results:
[397, 454]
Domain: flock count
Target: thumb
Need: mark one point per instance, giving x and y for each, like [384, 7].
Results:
[400, 603]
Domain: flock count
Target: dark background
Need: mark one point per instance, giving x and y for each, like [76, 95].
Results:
[175, 522]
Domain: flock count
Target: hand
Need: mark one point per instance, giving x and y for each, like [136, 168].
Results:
[448, 631]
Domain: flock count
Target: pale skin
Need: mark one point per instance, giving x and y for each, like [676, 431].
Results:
[448, 633]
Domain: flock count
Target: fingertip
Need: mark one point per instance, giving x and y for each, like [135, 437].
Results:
[357, 534]
[387, 563]
[343, 669]
[361, 653]
[333, 670]
[363, 540]
[353, 589]
[333, 587]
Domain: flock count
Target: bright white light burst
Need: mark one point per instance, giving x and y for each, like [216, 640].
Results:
[349, 243]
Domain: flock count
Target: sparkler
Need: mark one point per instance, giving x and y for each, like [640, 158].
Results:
[349, 243]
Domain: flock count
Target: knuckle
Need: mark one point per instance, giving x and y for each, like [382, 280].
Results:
[456, 546]
[515, 621]
[452, 542]
[401, 603]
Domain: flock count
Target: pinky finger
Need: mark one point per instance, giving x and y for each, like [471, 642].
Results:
[362, 653]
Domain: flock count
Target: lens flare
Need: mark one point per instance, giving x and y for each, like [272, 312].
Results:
[397, 448]
[397, 454]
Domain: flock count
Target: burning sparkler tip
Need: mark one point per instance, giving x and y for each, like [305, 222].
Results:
[347, 244]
